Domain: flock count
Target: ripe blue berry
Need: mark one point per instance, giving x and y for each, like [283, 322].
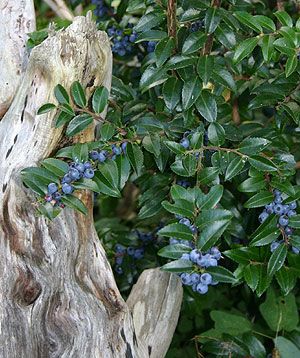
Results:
[101, 156]
[67, 188]
[274, 246]
[212, 262]
[74, 174]
[277, 192]
[80, 167]
[263, 216]
[56, 196]
[139, 254]
[215, 253]
[278, 199]
[283, 221]
[66, 179]
[116, 150]
[120, 248]
[186, 278]
[288, 230]
[185, 256]
[185, 143]
[195, 256]
[93, 155]
[123, 147]
[119, 260]
[87, 165]
[195, 278]
[119, 270]
[269, 208]
[278, 209]
[130, 251]
[151, 46]
[291, 213]
[173, 241]
[292, 205]
[204, 260]
[52, 188]
[206, 278]
[89, 173]
[202, 288]
[185, 221]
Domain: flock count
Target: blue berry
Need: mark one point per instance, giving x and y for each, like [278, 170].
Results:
[278, 199]
[89, 173]
[263, 216]
[185, 143]
[197, 25]
[93, 155]
[204, 260]
[185, 257]
[151, 46]
[123, 147]
[120, 248]
[193, 229]
[119, 260]
[291, 213]
[52, 188]
[56, 196]
[67, 188]
[274, 246]
[283, 221]
[80, 167]
[74, 174]
[66, 179]
[277, 192]
[215, 253]
[278, 209]
[101, 156]
[295, 250]
[185, 221]
[195, 278]
[119, 270]
[206, 278]
[288, 230]
[116, 150]
[292, 205]
[139, 254]
[269, 208]
[212, 262]
[186, 278]
[133, 37]
[195, 256]
[87, 165]
[173, 241]
[202, 288]
[130, 251]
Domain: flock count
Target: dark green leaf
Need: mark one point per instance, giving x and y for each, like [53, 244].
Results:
[78, 94]
[135, 156]
[207, 106]
[177, 230]
[56, 166]
[61, 94]
[260, 199]
[205, 67]
[164, 50]
[193, 43]
[74, 203]
[246, 19]
[262, 163]
[190, 92]
[46, 108]
[171, 92]
[251, 146]
[244, 49]
[234, 167]
[277, 259]
[284, 18]
[78, 124]
[212, 19]
[221, 274]
[178, 266]
[174, 251]
[100, 98]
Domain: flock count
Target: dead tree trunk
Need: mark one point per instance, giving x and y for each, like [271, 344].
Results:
[57, 291]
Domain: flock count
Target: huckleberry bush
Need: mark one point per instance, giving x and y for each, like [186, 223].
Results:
[201, 135]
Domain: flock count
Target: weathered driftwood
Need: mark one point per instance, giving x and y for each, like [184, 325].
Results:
[57, 291]
[16, 20]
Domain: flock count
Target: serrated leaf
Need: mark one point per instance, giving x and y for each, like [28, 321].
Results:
[190, 92]
[79, 124]
[56, 166]
[107, 130]
[251, 276]
[211, 233]
[163, 50]
[277, 259]
[262, 163]
[212, 19]
[174, 251]
[74, 203]
[234, 167]
[177, 230]
[100, 98]
[251, 146]
[291, 65]
[207, 106]
[208, 175]
[180, 207]
[266, 232]
[149, 20]
[78, 94]
[247, 19]
[221, 274]
[175, 147]
[216, 133]
[244, 49]
[178, 266]
[252, 185]
[171, 92]
[135, 156]
[211, 199]
[194, 42]
[205, 67]
[260, 199]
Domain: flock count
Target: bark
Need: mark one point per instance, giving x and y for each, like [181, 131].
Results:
[17, 18]
[58, 294]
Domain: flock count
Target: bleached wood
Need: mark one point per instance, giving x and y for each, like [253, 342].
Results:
[17, 18]
[60, 8]
[57, 291]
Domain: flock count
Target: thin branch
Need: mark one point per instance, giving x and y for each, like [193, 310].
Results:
[171, 17]
[61, 9]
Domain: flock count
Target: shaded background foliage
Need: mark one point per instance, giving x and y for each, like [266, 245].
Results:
[208, 99]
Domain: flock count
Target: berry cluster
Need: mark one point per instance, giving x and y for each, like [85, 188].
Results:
[196, 26]
[200, 280]
[284, 212]
[122, 40]
[102, 9]
[78, 170]
[135, 253]
[183, 183]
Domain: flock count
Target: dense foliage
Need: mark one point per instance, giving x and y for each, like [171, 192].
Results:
[201, 134]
